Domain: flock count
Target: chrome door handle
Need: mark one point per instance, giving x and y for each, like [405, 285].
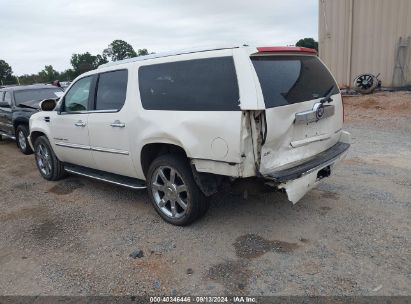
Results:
[80, 123]
[118, 124]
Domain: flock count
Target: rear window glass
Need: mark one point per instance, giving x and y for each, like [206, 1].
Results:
[111, 90]
[290, 79]
[36, 95]
[194, 85]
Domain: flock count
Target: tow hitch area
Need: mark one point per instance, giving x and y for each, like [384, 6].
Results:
[297, 188]
[326, 172]
[297, 181]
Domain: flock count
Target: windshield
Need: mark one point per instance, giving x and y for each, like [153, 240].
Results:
[22, 96]
[291, 79]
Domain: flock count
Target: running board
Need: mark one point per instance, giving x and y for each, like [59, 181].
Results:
[7, 135]
[112, 178]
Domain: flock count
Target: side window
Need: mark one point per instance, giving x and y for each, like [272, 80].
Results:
[1, 96]
[77, 98]
[111, 90]
[194, 85]
[7, 97]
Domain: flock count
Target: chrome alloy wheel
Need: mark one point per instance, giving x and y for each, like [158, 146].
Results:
[170, 192]
[43, 159]
[22, 140]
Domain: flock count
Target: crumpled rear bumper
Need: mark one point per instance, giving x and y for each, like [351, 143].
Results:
[298, 180]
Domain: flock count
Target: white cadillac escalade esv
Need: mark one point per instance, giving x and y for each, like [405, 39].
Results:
[182, 123]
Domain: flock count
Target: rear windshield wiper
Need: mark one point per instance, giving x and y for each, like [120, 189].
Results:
[328, 94]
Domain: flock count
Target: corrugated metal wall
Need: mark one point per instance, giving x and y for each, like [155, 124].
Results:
[362, 36]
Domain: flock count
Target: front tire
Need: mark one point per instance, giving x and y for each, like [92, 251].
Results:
[22, 132]
[173, 191]
[47, 162]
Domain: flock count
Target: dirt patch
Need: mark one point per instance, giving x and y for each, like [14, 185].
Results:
[379, 105]
[23, 213]
[324, 210]
[66, 187]
[46, 230]
[251, 246]
[356, 161]
[157, 269]
[330, 195]
[345, 284]
[393, 102]
[18, 171]
[401, 160]
[233, 275]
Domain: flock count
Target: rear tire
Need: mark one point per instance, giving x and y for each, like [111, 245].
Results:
[173, 191]
[47, 162]
[22, 132]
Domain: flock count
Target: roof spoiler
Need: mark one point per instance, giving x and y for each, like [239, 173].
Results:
[285, 49]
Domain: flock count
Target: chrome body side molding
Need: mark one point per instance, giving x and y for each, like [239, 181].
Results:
[98, 149]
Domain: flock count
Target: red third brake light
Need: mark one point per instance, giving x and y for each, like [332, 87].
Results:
[273, 49]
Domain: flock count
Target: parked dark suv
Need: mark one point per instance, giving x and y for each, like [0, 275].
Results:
[17, 104]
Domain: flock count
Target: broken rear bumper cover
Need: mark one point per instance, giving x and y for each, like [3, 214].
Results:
[298, 180]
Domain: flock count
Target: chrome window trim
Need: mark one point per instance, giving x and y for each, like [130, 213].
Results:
[89, 112]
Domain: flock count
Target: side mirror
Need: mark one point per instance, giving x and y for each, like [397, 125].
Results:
[4, 104]
[48, 104]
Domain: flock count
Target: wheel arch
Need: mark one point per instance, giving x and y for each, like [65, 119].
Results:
[36, 134]
[207, 182]
[20, 121]
[151, 151]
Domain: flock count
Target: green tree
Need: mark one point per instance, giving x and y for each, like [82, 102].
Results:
[6, 73]
[29, 79]
[86, 62]
[308, 43]
[119, 50]
[142, 52]
[67, 75]
[48, 74]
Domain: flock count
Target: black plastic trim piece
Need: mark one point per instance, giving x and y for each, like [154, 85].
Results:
[321, 159]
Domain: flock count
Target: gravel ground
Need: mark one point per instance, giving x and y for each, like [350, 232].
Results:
[349, 236]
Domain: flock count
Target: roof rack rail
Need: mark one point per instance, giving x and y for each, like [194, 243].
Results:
[171, 53]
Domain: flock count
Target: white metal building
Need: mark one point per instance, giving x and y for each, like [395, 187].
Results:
[366, 36]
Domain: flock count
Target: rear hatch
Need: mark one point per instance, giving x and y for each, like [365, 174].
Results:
[299, 123]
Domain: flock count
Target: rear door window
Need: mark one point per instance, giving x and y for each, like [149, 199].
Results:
[291, 79]
[194, 85]
[111, 90]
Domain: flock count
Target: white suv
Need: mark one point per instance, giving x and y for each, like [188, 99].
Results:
[183, 123]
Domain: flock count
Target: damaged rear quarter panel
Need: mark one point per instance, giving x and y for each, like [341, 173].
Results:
[195, 132]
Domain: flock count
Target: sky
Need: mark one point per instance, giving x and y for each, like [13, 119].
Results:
[39, 33]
